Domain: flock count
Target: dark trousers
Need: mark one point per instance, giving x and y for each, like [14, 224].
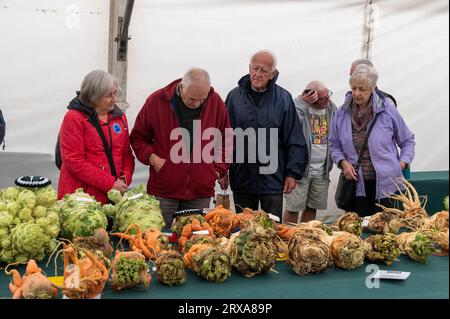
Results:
[170, 206]
[272, 204]
[365, 205]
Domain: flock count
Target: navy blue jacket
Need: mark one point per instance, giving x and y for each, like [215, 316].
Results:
[275, 110]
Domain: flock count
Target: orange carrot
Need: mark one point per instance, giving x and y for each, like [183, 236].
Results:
[32, 267]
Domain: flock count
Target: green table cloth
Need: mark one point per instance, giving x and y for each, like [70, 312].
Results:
[429, 280]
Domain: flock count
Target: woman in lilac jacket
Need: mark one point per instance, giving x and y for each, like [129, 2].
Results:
[381, 163]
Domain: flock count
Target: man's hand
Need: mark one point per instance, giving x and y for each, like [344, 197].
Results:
[157, 162]
[311, 97]
[349, 170]
[120, 185]
[223, 182]
[289, 184]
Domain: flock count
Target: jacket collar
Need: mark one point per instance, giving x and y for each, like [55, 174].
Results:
[77, 104]
[377, 102]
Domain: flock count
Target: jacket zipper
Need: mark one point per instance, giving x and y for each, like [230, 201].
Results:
[188, 179]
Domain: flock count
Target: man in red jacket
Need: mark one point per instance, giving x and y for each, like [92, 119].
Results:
[178, 118]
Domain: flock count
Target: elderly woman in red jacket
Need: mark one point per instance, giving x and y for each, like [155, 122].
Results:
[94, 140]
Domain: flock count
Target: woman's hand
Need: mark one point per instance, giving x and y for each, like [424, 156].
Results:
[403, 165]
[157, 162]
[349, 170]
[120, 185]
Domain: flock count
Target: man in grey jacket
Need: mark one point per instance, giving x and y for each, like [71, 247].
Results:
[315, 110]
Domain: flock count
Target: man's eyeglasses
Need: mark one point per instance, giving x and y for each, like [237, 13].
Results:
[256, 69]
[327, 97]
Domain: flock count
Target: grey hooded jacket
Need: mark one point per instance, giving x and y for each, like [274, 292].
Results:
[305, 120]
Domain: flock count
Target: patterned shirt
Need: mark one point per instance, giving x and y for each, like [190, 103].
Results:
[360, 120]
[319, 142]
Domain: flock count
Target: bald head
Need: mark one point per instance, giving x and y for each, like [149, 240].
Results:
[194, 87]
[323, 94]
[317, 86]
[265, 56]
[196, 76]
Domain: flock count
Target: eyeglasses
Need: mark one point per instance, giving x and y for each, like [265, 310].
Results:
[113, 94]
[326, 97]
[256, 69]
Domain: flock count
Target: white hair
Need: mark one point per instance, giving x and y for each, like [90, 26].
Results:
[195, 75]
[362, 61]
[97, 84]
[265, 52]
[365, 73]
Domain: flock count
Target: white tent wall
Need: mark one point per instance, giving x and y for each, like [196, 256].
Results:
[312, 40]
[48, 46]
[411, 54]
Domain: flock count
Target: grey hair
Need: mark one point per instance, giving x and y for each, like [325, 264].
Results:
[265, 52]
[97, 84]
[316, 86]
[362, 61]
[365, 73]
[195, 75]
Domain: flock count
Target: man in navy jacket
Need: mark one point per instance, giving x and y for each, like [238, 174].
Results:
[270, 152]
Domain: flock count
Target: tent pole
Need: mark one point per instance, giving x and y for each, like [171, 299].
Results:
[119, 19]
[368, 29]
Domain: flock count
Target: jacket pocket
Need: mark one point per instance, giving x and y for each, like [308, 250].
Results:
[165, 181]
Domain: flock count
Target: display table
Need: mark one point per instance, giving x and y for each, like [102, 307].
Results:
[429, 280]
[433, 184]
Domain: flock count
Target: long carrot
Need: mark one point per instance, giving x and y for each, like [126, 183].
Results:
[16, 278]
[140, 242]
[124, 236]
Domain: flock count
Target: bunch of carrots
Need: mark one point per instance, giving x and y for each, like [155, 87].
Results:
[150, 243]
[222, 220]
[190, 229]
[87, 276]
[33, 285]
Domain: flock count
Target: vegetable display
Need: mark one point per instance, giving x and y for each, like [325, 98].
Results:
[348, 250]
[135, 207]
[413, 214]
[350, 222]
[416, 245]
[29, 223]
[33, 285]
[384, 248]
[170, 268]
[384, 223]
[308, 253]
[81, 215]
[253, 250]
[223, 221]
[129, 270]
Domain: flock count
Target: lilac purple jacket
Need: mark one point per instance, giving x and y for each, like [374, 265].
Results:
[389, 133]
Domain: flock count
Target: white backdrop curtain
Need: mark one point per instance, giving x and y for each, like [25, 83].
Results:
[48, 46]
